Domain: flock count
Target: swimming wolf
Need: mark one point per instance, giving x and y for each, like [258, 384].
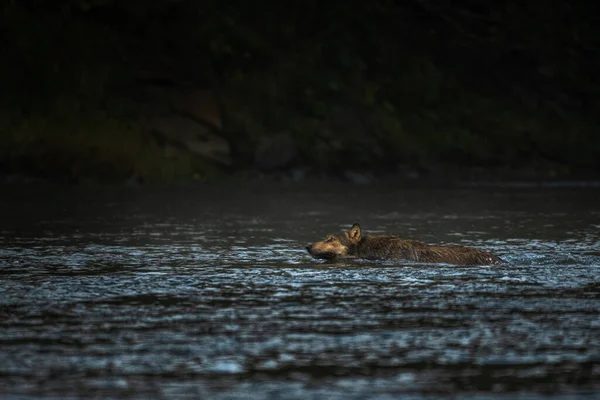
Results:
[352, 244]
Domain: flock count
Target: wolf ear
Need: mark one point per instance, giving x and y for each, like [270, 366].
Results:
[354, 232]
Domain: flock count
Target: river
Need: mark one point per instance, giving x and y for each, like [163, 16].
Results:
[207, 291]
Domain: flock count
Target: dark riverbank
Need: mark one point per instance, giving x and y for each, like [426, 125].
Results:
[167, 91]
[410, 178]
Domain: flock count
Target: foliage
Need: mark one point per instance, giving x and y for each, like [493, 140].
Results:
[97, 147]
[365, 85]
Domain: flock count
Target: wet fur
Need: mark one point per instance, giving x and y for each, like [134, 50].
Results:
[352, 244]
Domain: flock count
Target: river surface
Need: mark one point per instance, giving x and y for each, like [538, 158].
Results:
[206, 292]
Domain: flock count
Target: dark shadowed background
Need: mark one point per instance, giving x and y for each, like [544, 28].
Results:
[174, 89]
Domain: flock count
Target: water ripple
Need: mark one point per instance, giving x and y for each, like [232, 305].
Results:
[222, 305]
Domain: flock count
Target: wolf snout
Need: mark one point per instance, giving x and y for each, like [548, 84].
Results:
[309, 248]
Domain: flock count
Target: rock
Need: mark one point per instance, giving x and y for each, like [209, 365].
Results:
[275, 152]
[194, 136]
[198, 104]
[183, 118]
[358, 178]
[298, 174]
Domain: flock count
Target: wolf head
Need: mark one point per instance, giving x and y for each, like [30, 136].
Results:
[340, 245]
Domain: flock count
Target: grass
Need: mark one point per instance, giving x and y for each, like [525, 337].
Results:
[98, 147]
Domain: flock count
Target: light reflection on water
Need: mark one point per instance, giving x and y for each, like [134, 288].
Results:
[198, 294]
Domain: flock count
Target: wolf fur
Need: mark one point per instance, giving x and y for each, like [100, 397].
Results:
[352, 244]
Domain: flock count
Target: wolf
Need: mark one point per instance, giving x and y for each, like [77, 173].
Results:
[352, 244]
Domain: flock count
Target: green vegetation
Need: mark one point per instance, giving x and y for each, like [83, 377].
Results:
[97, 147]
[356, 85]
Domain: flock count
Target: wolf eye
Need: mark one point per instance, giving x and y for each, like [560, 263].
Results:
[329, 240]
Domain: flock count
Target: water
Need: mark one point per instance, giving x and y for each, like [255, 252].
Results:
[207, 292]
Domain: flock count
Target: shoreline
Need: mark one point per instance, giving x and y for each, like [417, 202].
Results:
[457, 178]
